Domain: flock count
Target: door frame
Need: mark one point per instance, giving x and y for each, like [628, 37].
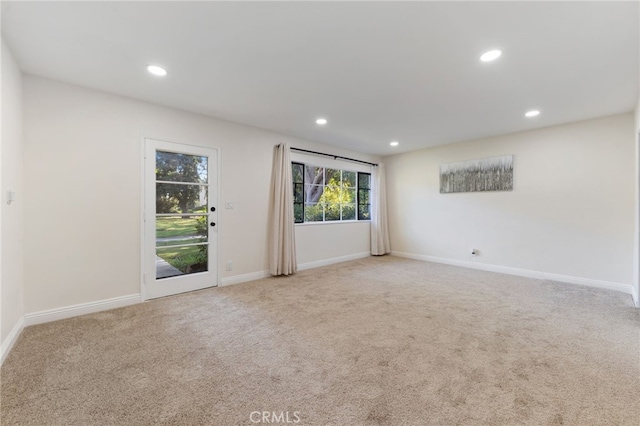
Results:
[635, 285]
[216, 200]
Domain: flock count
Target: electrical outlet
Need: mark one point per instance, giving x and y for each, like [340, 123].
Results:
[229, 265]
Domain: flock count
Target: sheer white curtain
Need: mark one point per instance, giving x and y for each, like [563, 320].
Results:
[282, 242]
[379, 227]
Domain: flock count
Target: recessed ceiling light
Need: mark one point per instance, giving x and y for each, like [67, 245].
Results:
[394, 143]
[156, 70]
[321, 121]
[532, 113]
[491, 55]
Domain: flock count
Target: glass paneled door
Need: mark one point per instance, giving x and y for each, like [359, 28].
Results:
[180, 219]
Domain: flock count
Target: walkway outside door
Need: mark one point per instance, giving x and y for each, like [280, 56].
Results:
[180, 218]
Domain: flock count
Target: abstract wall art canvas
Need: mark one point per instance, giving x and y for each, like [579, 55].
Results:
[484, 174]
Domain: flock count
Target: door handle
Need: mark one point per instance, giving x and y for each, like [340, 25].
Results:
[213, 224]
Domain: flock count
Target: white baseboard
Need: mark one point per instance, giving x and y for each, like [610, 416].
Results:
[624, 288]
[80, 309]
[11, 339]
[331, 261]
[636, 297]
[237, 279]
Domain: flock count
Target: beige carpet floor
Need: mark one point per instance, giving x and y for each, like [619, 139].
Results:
[375, 341]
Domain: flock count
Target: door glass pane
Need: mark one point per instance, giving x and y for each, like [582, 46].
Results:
[181, 192]
[176, 230]
[176, 167]
[174, 261]
[180, 198]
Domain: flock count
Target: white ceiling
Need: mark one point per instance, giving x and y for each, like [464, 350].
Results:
[378, 71]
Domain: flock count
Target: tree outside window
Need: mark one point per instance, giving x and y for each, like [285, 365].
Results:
[326, 195]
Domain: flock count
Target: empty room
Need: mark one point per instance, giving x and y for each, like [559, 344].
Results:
[320, 213]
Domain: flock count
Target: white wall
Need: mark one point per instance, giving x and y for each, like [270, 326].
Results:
[11, 265]
[571, 212]
[83, 192]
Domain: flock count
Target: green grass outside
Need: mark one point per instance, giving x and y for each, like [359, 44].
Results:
[172, 227]
[179, 257]
[182, 257]
[175, 227]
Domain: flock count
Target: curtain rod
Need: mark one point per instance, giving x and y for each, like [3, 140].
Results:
[335, 157]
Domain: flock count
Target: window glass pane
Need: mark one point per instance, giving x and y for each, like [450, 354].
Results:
[297, 170]
[314, 175]
[363, 212]
[298, 193]
[363, 196]
[298, 213]
[312, 193]
[313, 212]
[348, 196]
[332, 177]
[364, 180]
[331, 194]
[174, 167]
[349, 179]
[348, 212]
[172, 261]
[332, 212]
[338, 194]
[180, 198]
[175, 230]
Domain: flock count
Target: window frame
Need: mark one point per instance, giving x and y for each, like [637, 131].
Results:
[302, 204]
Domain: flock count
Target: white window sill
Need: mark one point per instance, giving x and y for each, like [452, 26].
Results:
[333, 222]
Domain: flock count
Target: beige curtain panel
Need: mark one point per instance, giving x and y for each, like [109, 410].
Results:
[380, 244]
[282, 242]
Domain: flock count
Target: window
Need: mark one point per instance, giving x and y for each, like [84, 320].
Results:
[322, 194]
